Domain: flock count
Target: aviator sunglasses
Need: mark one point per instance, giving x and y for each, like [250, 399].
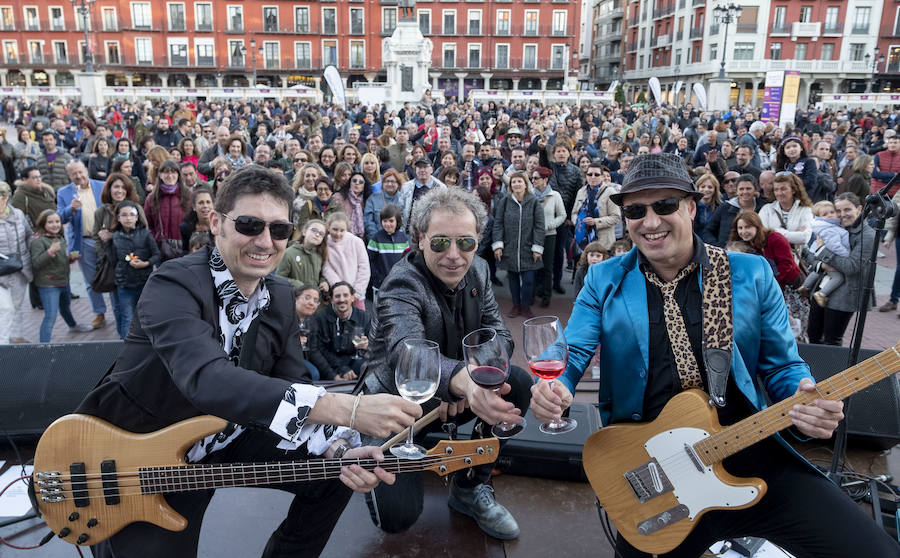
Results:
[253, 226]
[442, 243]
[667, 206]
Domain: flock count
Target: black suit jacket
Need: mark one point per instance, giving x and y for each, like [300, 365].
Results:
[173, 366]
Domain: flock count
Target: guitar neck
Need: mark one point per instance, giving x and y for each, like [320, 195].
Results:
[773, 419]
[185, 478]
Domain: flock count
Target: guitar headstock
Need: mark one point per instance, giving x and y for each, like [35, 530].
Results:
[462, 454]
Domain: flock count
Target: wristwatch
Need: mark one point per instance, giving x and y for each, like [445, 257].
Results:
[342, 448]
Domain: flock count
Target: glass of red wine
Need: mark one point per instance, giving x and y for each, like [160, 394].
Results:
[484, 352]
[548, 353]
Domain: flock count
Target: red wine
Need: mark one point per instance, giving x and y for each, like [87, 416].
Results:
[488, 377]
[547, 369]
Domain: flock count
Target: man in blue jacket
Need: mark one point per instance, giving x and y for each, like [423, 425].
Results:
[76, 203]
[660, 329]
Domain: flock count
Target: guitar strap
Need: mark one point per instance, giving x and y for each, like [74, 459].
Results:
[718, 323]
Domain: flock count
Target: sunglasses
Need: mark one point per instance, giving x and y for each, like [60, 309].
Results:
[253, 226]
[440, 244]
[357, 181]
[594, 174]
[783, 173]
[667, 206]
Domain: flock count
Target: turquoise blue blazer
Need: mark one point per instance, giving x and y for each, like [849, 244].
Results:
[611, 311]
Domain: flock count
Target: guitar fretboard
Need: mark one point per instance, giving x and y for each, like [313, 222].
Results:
[763, 424]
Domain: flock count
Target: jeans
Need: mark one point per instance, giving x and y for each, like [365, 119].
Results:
[563, 235]
[127, 299]
[544, 277]
[521, 287]
[55, 300]
[895, 288]
[88, 265]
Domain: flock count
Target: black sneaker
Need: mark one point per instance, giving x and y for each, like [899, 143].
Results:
[559, 289]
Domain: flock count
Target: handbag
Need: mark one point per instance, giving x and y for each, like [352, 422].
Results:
[104, 280]
[169, 249]
[12, 262]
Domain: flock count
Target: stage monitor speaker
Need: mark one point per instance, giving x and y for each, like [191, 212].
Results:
[874, 417]
[40, 383]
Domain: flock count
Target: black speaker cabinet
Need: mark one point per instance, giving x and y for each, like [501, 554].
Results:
[874, 417]
[40, 383]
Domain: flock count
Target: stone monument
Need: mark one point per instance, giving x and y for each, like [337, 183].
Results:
[406, 56]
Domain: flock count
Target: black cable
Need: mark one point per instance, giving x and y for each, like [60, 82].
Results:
[607, 529]
[15, 449]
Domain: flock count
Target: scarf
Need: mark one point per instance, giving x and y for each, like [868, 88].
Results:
[166, 189]
[539, 194]
[356, 214]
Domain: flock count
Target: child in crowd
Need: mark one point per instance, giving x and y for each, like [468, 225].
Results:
[303, 260]
[306, 304]
[387, 246]
[199, 240]
[621, 246]
[829, 234]
[593, 253]
[50, 265]
[135, 254]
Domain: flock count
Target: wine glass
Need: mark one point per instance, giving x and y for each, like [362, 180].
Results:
[485, 354]
[548, 353]
[417, 375]
[358, 335]
[304, 335]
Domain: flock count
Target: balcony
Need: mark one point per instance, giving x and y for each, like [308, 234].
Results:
[502, 32]
[206, 61]
[631, 47]
[892, 68]
[679, 35]
[237, 62]
[303, 64]
[696, 3]
[780, 28]
[633, 22]
[805, 66]
[36, 58]
[664, 11]
[177, 25]
[714, 29]
[860, 29]
[177, 61]
[57, 25]
[235, 28]
[833, 28]
[696, 33]
[746, 28]
[807, 29]
[205, 27]
[273, 64]
[664, 40]
[473, 30]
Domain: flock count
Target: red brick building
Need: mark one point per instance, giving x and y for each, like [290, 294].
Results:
[525, 44]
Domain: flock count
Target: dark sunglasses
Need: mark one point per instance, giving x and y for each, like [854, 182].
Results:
[594, 174]
[727, 180]
[667, 206]
[442, 243]
[253, 226]
[357, 181]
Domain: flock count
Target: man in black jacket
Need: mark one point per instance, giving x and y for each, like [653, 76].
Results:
[441, 292]
[567, 180]
[215, 333]
[332, 349]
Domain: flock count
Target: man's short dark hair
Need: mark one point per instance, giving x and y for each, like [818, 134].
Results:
[186, 164]
[273, 164]
[340, 284]
[391, 210]
[253, 180]
[517, 148]
[747, 177]
[28, 170]
[48, 133]
[738, 148]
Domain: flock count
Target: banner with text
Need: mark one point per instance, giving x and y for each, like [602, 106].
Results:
[790, 97]
[771, 108]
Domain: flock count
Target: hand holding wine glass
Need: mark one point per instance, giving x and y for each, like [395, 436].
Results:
[417, 375]
[488, 364]
[359, 341]
[547, 353]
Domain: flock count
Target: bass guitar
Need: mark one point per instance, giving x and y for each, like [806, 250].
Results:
[656, 480]
[91, 478]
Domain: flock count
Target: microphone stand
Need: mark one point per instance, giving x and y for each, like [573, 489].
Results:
[880, 207]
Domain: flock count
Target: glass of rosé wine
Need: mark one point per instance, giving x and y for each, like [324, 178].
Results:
[547, 353]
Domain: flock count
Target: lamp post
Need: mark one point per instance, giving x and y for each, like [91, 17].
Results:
[252, 58]
[85, 13]
[876, 60]
[725, 14]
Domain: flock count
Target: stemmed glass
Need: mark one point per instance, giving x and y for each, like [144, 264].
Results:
[417, 375]
[357, 340]
[548, 353]
[485, 354]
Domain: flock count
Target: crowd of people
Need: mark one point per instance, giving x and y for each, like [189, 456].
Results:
[356, 204]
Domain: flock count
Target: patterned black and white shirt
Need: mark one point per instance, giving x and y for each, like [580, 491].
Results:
[236, 313]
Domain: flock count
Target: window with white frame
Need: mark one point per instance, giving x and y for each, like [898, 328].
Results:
[176, 17]
[272, 54]
[60, 52]
[449, 55]
[805, 14]
[79, 21]
[713, 51]
[143, 50]
[329, 53]
[110, 21]
[678, 57]
[357, 16]
[474, 20]
[896, 22]
[474, 56]
[857, 51]
[178, 51]
[7, 19]
[775, 51]
[10, 51]
[57, 23]
[32, 21]
[503, 25]
[501, 60]
[743, 51]
[205, 52]
[557, 57]
[529, 57]
[800, 51]
[861, 20]
[357, 54]
[236, 57]
[303, 54]
[301, 19]
[141, 16]
[831, 19]
[203, 16]
[235, 18]
[828, 51]
[425, 21]
[36, 52]
[329, 21]
[778, 22]
[531, 23]
[449, 24]
[112, 52]
[388, 20]
[559, 22]
[270, 18]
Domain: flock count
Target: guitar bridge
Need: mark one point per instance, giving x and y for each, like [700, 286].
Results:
[648, 481]
[664, 519]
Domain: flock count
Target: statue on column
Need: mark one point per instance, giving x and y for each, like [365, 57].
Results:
[407, 10]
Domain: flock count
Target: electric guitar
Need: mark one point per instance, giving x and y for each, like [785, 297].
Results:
[655, 480]
[91, 478]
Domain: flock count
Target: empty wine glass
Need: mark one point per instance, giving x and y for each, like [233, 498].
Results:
[485, 354]
[547, 353]
[417, 375]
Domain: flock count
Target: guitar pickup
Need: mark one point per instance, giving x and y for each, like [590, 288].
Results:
[664, 519]
[110, 482]
[79, 485]
[648, 481]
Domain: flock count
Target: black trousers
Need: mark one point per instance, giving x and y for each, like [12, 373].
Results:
[395, 508]
[802, 511]
[826, 326]
[543, 287]
[563, 236]
[315, 510]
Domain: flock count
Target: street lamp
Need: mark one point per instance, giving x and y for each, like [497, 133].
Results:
[876, 60]
[725, 15]
[85, 13]
[252, 58]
